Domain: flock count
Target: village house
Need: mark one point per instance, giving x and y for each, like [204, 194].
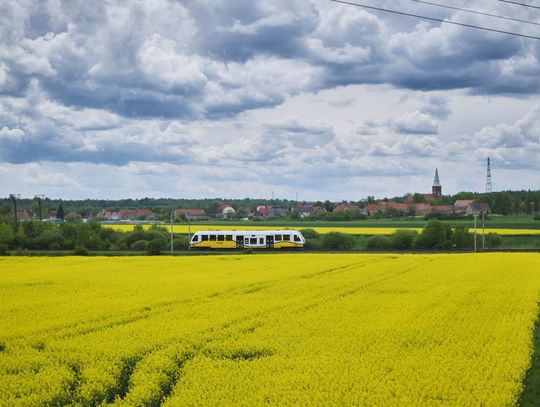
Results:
[478, 209]
[135, 214]
[193, 214]
[277, 212]
[108, 215]
[225, 211]
[348, 207]
[307, 210]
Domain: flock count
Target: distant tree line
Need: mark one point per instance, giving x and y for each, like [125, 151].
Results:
[81, 237]
[436, 235]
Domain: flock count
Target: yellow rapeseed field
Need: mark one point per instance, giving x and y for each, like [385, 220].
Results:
[278, 329]
[323, 229]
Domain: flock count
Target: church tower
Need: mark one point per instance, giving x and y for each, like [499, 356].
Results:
[436, 189]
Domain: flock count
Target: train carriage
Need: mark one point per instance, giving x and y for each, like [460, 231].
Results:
[247, 239]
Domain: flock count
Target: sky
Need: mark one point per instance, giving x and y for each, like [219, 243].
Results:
[285, 98]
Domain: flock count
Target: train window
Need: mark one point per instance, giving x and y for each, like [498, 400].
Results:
[195, 238]
[287, 237]
[228, 237]
[204, 238]
[221, 238]
[261, 240]
[296, 238]
[278, 237]
[212, 238]
[253, 240]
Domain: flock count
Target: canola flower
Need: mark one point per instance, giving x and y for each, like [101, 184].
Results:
[285, 329]
[183, 229]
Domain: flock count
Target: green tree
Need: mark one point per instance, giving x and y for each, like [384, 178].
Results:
[60, 212]
[7, 235]
[403, 239]
[337, 241]
[436, 235]
[461, 238]
[155, 246]
[503, 203]
[378, 242]
[419, 198]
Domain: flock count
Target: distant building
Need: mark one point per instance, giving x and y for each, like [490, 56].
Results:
[463, 203]
[225, 211]
[346, 207]
[277, 212]
[478, 209]
[24, 214]
[108, 215]
[133, 214]
[436, 189]
[385, 206]
[194, 214]
[307, 210]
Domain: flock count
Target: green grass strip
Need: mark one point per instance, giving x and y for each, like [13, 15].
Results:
[531, 393]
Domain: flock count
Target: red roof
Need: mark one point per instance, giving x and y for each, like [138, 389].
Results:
[422, 207]
[374, 207]
[134, 213]
[443, 208]
[463, 203]
[222, 207]
[194, 212]
[396, 205]
[345, 207]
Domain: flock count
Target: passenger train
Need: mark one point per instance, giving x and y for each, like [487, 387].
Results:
[247, 239]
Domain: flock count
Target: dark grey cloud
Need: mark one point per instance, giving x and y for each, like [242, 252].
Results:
[117, 83]
[169, 59]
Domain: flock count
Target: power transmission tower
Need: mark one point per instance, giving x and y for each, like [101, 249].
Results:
[489, 187]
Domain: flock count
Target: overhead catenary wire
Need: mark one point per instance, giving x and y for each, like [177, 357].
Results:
[476, 12]
[520, 4]
[440, 20]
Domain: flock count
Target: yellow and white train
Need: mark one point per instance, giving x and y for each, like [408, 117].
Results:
[247, 239]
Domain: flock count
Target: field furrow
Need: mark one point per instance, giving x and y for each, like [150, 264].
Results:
[294, 329]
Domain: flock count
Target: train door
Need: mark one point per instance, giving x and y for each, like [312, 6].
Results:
[239, 242]
[270, 241]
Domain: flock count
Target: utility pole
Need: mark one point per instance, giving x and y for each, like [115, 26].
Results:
[189, 231]
[14, 198]
[483, 232]
[39, 198]
[172, 234]
[489, 187]
[475, 216]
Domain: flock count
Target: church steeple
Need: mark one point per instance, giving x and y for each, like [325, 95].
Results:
[436, 181]
[436, 189]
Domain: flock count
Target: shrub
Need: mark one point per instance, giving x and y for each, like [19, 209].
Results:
[80, 250]
[337, 241]
[313, 244]
[436, 235]
[7, 236]
[461, 239]
[378, 242]
[493, 240]
[309, 233]
[155, 246]
[141, 245]
[403, 239]
[3, 249]
[181, 243]
[49, 239]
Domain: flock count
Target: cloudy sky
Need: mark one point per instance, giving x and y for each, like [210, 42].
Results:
[236, 98]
